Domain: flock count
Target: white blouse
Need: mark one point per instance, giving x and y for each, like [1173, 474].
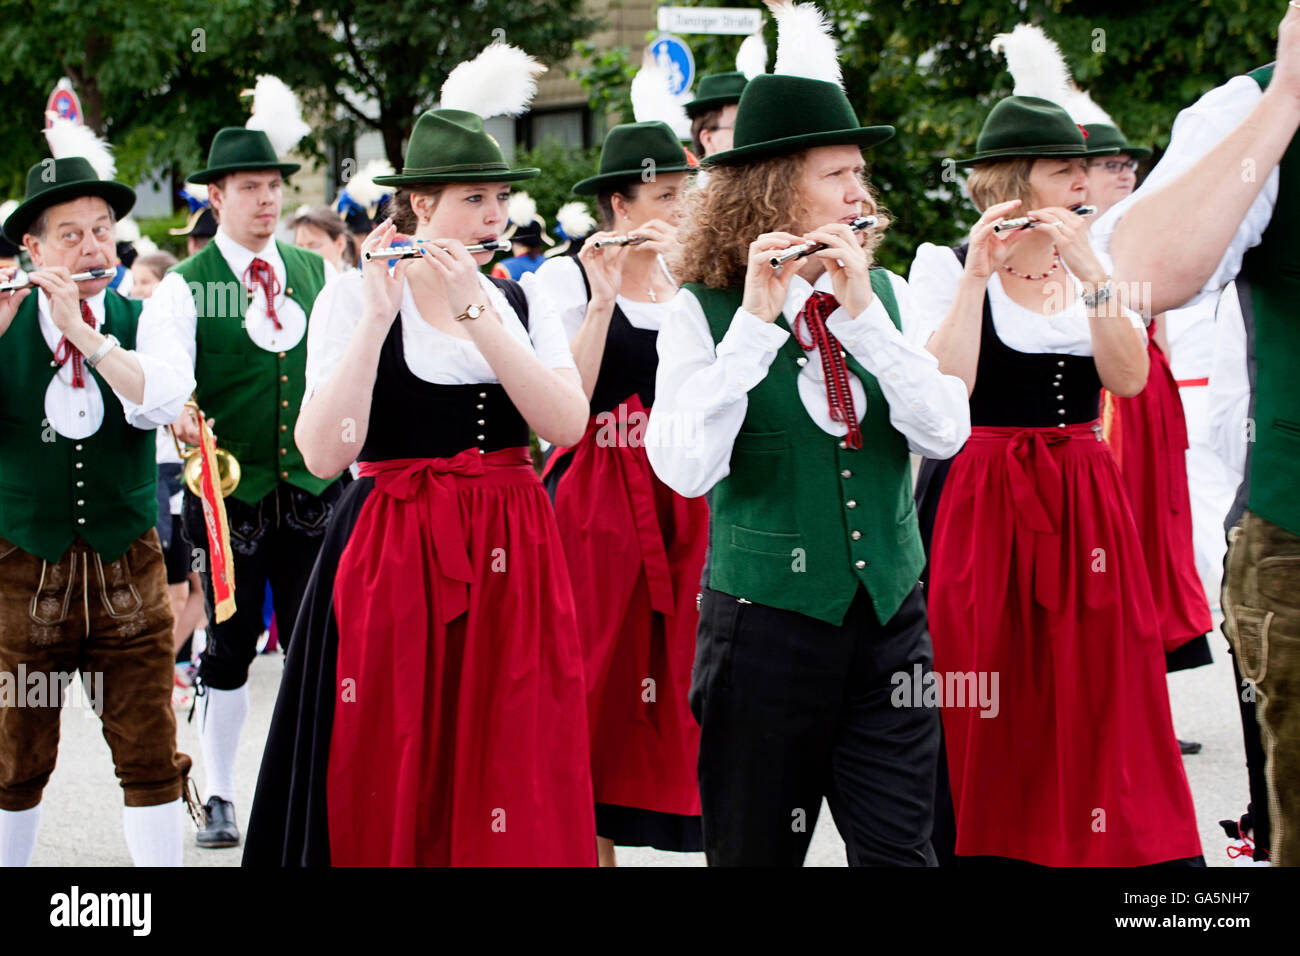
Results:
[557, 287]
[431, 355]
[933, 281]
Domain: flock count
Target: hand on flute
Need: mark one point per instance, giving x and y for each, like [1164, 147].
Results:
[847, 263]
[10, 301]
[987, 250]
[765, 287]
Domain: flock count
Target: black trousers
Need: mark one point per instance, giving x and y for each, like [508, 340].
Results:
[275, 540]
[791, 710]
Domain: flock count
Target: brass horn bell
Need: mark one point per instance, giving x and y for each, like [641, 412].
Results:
[227, 472]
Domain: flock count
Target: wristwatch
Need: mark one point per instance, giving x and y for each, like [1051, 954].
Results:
[110, 343]
[473, 312]
[1099, 296]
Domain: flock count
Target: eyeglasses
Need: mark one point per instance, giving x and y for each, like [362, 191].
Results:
[1115, 166]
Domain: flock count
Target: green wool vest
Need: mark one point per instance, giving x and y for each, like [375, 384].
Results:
[53, 490]
[1272, 273]
[802, 520]
[253, 394]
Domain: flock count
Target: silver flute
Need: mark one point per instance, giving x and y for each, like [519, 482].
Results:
[1024, 222]
[620, 241]
[808, 248]
[90, 276]
[413, 252]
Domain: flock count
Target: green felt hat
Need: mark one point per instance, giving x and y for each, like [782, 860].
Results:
[451, 146]
[1026, 127]
[236, 150]
[718, 89]
[1106, 139]
[782, 114]
[61, 180]
[627, 148]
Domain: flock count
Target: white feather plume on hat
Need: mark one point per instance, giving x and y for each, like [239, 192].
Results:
[197, 190]
[1083, 110]
[277, 113]
[521, 208]
[1035, 63]
[751, 58]
[575, 219]
[128, 230]
[67, 138]
[500, 81]
[145, 246]
[804, 44]
[362, 187]
[653, 98]
[7, 208]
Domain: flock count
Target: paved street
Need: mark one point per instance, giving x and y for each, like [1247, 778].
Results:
[82, 825]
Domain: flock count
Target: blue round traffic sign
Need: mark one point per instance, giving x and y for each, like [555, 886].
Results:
[675, 57]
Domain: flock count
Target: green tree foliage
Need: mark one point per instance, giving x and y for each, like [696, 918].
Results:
[924, 67]
[561, 167]
[156, 78]
[379, 65]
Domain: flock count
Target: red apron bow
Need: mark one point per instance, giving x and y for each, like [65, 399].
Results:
[1039, 492]
[404, 478]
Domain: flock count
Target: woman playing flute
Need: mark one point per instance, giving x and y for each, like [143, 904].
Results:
[635, 547]
[433, 706]
[1036, 570]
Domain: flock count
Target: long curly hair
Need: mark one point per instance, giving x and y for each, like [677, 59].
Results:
[734, 207]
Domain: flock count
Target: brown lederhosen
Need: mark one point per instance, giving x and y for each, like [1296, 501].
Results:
[112, 622]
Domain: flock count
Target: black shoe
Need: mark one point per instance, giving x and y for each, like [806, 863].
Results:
[219, 827]
[1189, 746]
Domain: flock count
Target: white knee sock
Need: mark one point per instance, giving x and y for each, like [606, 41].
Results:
[223, 721]
[18, 835]
[155, 835]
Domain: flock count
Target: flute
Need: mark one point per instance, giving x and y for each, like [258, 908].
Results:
[808, 248]
[412, 252]
[1024, 222]
[620, 241]
[90, 276]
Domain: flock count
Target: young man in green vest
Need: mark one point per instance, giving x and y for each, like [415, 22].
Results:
[241, 305]
[86, 382]
[1224, 204]
[793, 396]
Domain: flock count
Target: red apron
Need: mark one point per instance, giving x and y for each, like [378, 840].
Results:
[1037, 577]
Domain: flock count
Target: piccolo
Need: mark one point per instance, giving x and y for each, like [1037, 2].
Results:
[413, 252]
[620, 241]
[808, 248]
[1024, 222]
[90, 276]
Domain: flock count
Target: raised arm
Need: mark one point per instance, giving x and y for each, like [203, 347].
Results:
[1168, 244]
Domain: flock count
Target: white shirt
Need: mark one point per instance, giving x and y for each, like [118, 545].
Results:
[933, 279]
[1197, 130]
[557, 286]
[1230, 385]
[701, 393]
[168, 381]
[173, 300]
[431, 355]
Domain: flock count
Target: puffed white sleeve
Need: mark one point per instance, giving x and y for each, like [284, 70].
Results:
[334, 316]
[702, 393]
[165, 348]
[1229, 398]
[932, 282]
[546, 331]
[1196, 131]
[557, 286]
[168, 371]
